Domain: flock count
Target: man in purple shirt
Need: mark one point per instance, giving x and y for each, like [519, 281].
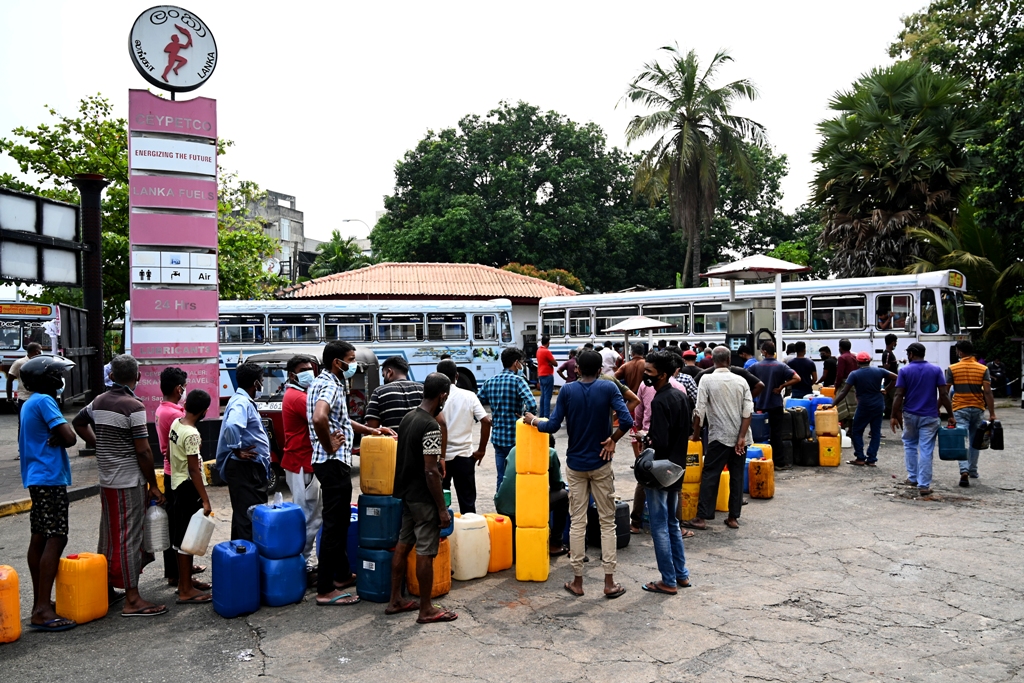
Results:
[920, 389]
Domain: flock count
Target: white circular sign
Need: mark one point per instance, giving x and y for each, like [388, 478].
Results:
[172, 48]
[272, 266]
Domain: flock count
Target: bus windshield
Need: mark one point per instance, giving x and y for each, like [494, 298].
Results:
[952, 311]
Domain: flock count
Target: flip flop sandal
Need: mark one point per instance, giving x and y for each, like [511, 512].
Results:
[148, 612]
[347, 583]
[199, 586]
[410, 606]
[616, 593]
[198, 569]
[442, 616]
[690, 525]
[54, 625]
[196, 600]
[334, 602]
[687, 534]
[568, 586]
[634, 530]
[655, 588]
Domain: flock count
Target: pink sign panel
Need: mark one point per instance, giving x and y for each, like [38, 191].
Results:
[166, 192]
[174, 304]
[152, 114]
[164, 229]
[175, 350]
[205, 376]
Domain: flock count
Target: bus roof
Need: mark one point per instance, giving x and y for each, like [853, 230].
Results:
[322, 306]
[940, 278]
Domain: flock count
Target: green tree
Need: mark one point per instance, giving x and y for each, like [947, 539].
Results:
[696, 129]
[94, 141]
[556, 275]
[749, 218]
[802, 243]
[522, 185]
[337, 255]
[895, 155]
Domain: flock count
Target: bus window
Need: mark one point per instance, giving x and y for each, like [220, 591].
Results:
[794, 314]
[892, 311]
[952, 311]
[446, 326]
[675, 314]
[350, 327]
[709, 318]
[241, 329]
[297, 328]
[10, 335]
[607, 317]
[554, 323]
[929, 313]
[506, 328]
[838, 312]
[400, 327]
[579, 322]
[485, 327]
[33, 332]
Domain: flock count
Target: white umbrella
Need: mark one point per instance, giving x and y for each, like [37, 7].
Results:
[638, 322]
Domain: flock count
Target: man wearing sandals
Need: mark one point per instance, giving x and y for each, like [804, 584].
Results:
[867, 382]
[424, 513]
[586, 405]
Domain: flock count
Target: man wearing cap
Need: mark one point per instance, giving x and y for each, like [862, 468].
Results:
[867, 382]
[690, 363]
[920, 389]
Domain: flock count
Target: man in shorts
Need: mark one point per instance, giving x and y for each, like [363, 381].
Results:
[424, 514]
[46, 473]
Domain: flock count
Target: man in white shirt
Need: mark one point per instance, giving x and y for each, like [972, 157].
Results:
[461, 411]
[609, 359]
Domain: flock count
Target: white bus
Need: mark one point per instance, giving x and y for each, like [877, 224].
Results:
[472, 333]
[21, 323]
[927, 308]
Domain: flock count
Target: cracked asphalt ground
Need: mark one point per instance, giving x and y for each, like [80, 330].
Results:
[843, 576]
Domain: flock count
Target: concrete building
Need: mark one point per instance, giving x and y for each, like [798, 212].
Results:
[282, 221]
[438, 281]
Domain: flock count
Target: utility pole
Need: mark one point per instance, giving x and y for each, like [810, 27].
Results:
[90, 187]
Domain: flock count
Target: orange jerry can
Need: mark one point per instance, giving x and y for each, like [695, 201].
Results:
[82, 587]
[826, 421]
[531, 450]
[766, 449]
[828, 391]
[442, 571]
[762, 478]
[829, 451]
[377, 458]
[500, 528]
[10, 605]
[694, 462]
[722, 502]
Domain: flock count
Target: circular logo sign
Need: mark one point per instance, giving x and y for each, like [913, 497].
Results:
[172, 48]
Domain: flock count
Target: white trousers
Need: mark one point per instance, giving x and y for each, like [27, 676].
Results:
[305, 488]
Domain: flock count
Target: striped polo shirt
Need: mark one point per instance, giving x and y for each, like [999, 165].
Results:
[967, 378]
[391, 402]
[118, 418]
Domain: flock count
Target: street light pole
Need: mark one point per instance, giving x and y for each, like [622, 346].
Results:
[357, 220]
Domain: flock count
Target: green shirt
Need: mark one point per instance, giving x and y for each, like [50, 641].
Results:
[505, 498]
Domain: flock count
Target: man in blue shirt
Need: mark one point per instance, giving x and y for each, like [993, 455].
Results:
[775, 376]
[243, 450]
[509, 396]
[586, 405]
[920, 388]
[867, 382]
[46, 473]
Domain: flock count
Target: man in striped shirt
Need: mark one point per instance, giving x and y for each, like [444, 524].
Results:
[391, 401]
[115, 425]
[972, 394]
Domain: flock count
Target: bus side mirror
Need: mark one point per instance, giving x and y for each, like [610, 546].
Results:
[908, 326]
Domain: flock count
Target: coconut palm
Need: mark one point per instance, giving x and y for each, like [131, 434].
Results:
[696, 129]
[337, 255]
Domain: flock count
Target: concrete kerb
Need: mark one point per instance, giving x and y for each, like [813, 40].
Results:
[14, 507]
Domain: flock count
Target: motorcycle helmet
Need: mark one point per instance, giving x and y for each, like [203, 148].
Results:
[45, 374]
[656, 474]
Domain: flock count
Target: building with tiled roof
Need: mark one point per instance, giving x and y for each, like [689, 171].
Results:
[435, 281]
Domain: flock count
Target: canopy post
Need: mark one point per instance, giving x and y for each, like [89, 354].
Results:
[732, 290]
[780, 347]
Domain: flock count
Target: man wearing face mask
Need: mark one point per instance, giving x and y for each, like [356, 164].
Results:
[509, 396]
[243, 450]
[331, 434]
[115, 425]
[297, 459]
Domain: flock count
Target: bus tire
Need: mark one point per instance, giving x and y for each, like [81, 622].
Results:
[466, 380]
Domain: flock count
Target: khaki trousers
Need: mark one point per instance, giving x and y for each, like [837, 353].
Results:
[599, 483]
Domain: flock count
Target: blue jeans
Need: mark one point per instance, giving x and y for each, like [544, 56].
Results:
[500, 456]
[919, 436]
[547, 388]
[668, 540]
[972, 419]
[864, 417]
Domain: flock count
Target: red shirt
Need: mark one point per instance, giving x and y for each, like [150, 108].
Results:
[545, 362]
[166, 414]
[298, 450]
[845, 364]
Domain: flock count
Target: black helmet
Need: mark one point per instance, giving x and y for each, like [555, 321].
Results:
[45, 374]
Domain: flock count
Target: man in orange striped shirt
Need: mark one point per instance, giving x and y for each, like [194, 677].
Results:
[972, 393]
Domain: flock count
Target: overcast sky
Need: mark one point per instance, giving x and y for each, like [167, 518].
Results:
[322, 99]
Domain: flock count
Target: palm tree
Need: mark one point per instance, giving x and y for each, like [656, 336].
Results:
[696, 127]
[337, 255]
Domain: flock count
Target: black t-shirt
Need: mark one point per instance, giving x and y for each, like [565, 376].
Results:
[691, 370]
[805, 368]
[419, 436]
[828, 375]
[671, 416]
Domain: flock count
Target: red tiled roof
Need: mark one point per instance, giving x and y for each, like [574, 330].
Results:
[407, 280]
